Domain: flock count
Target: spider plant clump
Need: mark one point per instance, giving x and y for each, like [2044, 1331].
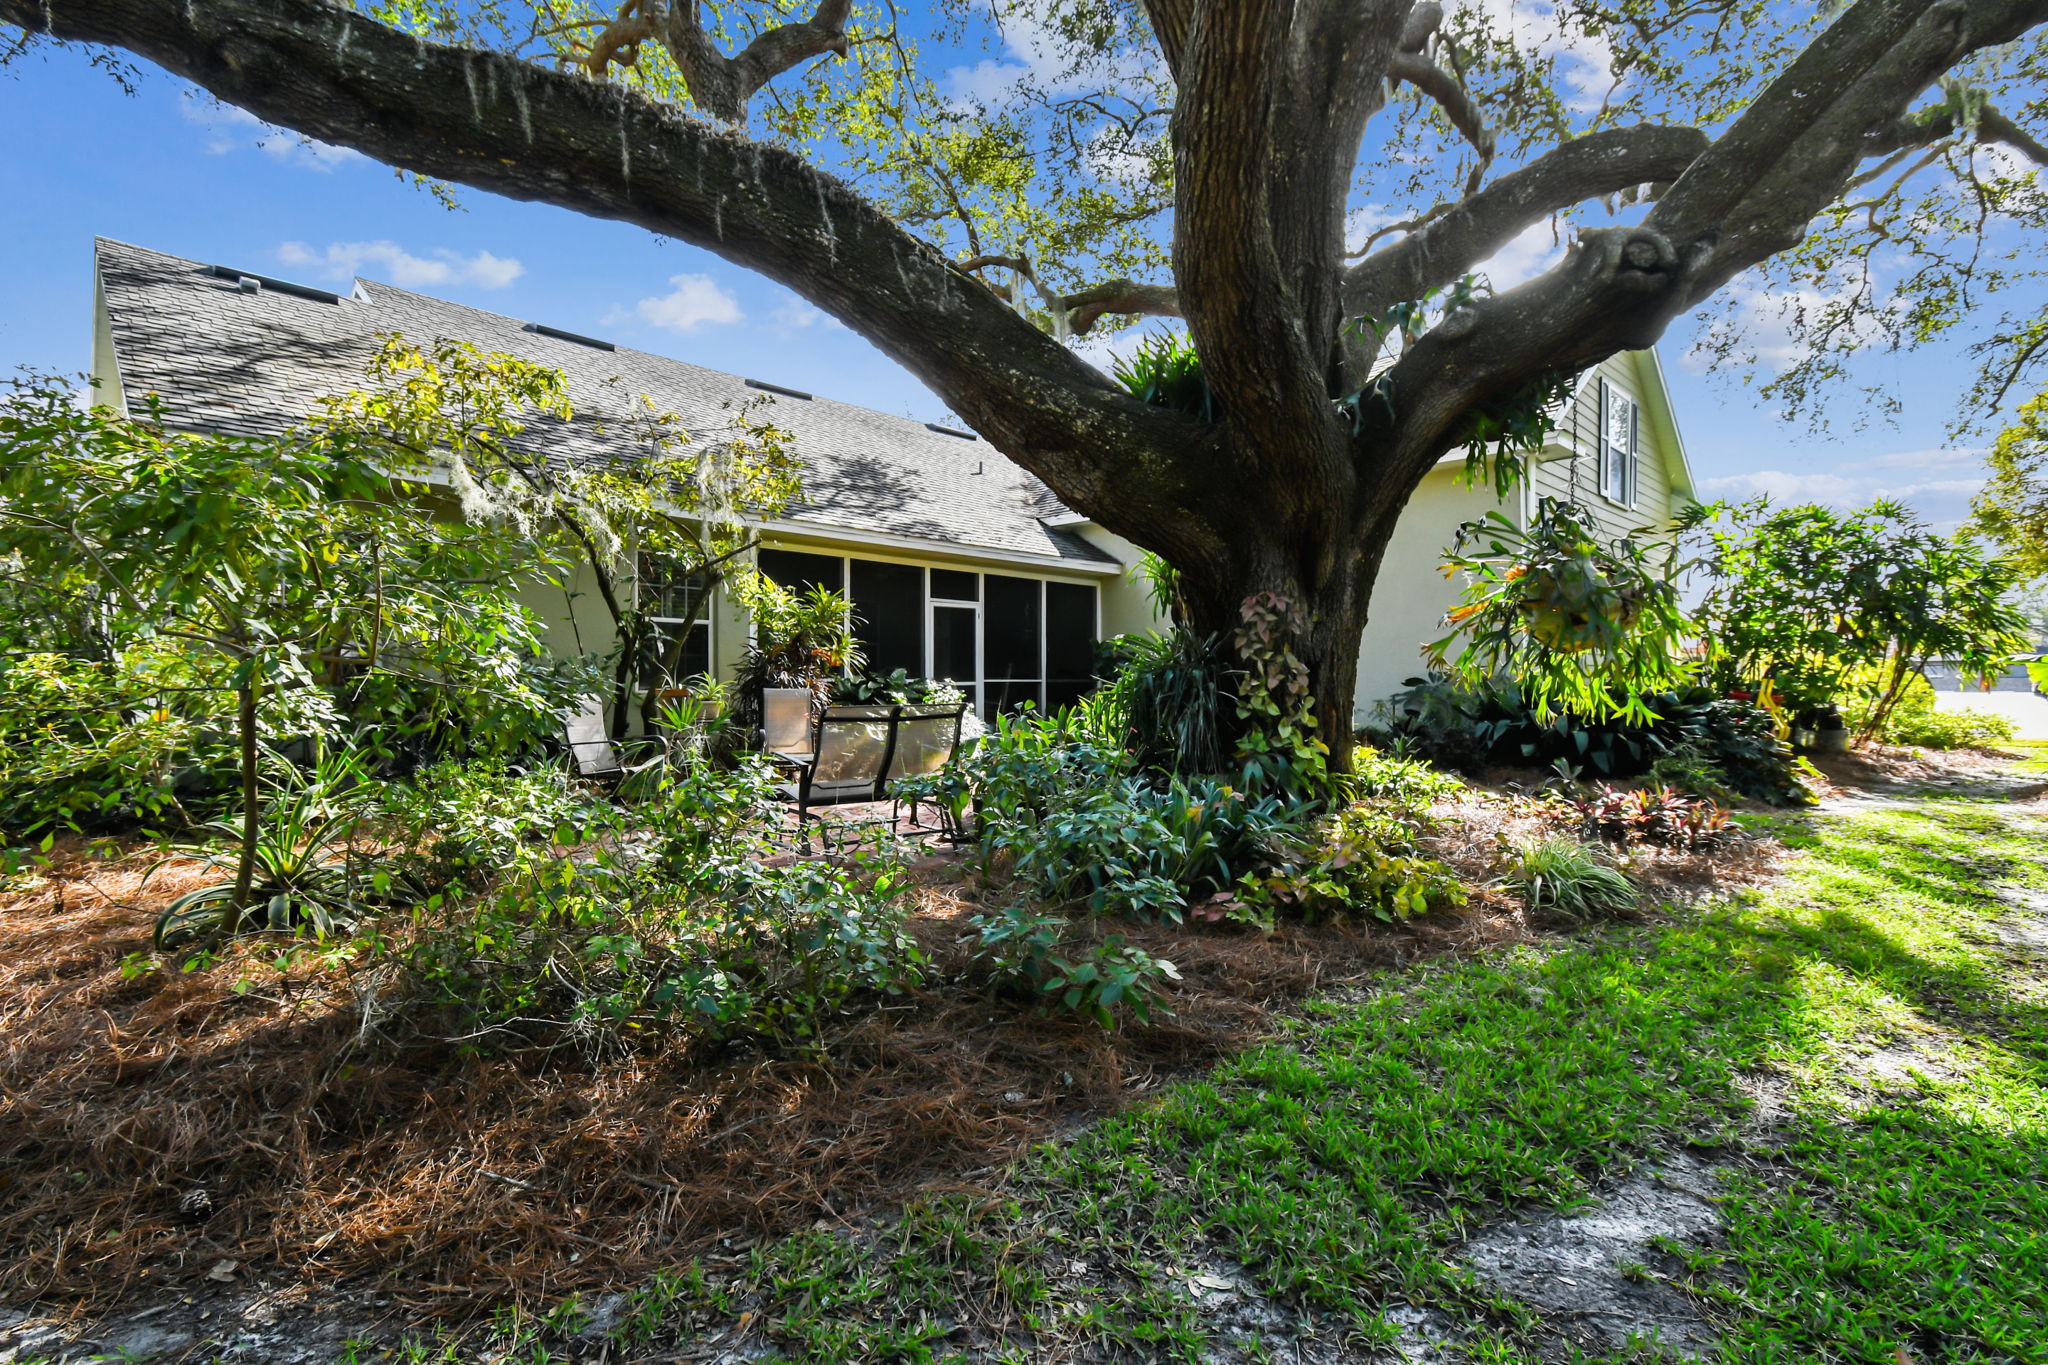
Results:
[1563, 876]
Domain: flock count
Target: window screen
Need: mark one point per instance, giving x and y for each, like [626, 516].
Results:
[1069, 642]
[1009, 628]
[800, 572]
[888, 607]
[956, 586]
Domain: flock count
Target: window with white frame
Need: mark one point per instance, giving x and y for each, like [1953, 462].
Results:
[678, 605]
[1620, 435]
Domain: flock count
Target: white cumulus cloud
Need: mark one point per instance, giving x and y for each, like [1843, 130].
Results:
[439, 268]
[230, 129]
[691, 302]
[1937, 493]
[797, 315]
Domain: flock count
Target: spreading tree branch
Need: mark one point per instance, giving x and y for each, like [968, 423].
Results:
[1459, 237]
[1932, 125]
[506, 126]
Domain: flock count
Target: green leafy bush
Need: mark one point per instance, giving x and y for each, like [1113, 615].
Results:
[87, 744]
[1914, 719]
[1361, 860]
[469, 821]
[1731, 747]
[691, 928]
[1024, 949]
[1060, 812]
[1565, 877]
[1804, 598]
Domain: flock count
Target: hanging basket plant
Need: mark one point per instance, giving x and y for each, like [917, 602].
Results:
[1580, 624]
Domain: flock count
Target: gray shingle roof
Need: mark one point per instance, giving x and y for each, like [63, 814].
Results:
[221, 359]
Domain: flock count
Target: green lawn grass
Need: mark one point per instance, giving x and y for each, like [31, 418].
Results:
[1341, 1165]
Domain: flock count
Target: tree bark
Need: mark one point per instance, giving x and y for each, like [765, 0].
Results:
[252, 812]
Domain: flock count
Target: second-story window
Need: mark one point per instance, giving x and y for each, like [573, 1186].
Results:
[1620, 434]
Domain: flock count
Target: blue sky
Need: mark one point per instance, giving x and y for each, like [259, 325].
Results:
[168, 169]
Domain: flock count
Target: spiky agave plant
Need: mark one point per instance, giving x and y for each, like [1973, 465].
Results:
[305, 878]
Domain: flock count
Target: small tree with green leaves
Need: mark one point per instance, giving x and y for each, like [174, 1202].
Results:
[676, 491]
[279, 571]
[2012, 507]
[1802, 596]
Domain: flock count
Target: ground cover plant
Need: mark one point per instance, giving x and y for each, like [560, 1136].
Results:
[1859, 1051]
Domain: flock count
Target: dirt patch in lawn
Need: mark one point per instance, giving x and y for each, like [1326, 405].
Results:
[219, 1127]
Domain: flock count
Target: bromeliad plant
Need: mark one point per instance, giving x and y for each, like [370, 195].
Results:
[308, 873]
[1582, 625]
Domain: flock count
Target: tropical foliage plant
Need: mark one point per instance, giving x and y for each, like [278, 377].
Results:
[1560, 875]
[1581, 624]
[286, 573]
[1170, 701]
[1801, 597]
[309, 874]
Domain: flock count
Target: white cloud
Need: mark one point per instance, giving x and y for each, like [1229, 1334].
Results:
[1527, 254]
[797, 315]
[1780, 485]
[1034, 56]
[1763, 325]
[1939, 496]
[231, 129]
[694, 301]
[440, 268]
[1584, 61]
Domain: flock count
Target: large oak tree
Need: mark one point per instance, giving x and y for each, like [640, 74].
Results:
[1270, 171]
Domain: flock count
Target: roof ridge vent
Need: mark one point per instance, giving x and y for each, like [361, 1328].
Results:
[253, 283]
[542, 329]
[951, 431]
[784, 390]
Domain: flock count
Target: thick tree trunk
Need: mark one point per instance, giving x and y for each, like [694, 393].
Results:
[1321, 549]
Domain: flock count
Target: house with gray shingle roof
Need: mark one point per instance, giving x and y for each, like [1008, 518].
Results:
[961, 564]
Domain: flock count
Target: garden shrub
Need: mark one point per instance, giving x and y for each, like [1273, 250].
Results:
[467, 822]
[86, 745]
[1024, 950]
[1060, 811]
[1361, 859]
[1914, 719]
[690, 930]
[1729, 746]
[1168, 700]
[1563, 876]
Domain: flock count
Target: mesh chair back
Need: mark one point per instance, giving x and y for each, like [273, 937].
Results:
[853, 751]
[926, 737]
[588, 743]
[786, 719]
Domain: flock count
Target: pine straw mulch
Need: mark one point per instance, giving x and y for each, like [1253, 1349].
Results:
[152, 1128]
